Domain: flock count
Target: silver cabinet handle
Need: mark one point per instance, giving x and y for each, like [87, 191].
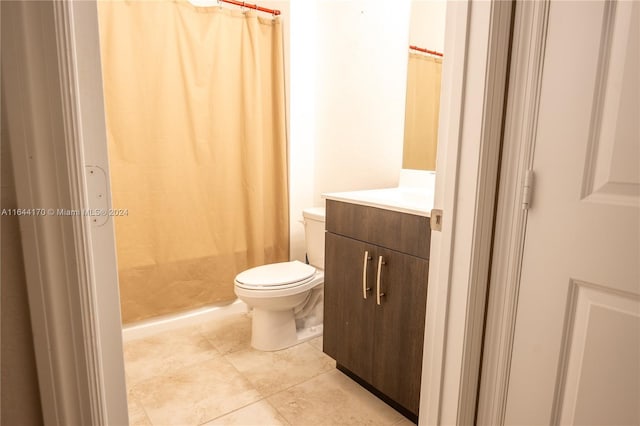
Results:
[365, 289]
[378, 293]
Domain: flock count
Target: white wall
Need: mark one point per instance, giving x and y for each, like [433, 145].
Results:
[361, 81]
[348, 80]
[302, 118]
[428, 19]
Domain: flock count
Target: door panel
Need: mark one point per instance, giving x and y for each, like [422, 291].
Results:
[610, 177]
[603, 331]
[346, 313]
[400, 317]
[576, 355]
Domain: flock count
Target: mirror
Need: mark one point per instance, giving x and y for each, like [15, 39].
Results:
[424, 71]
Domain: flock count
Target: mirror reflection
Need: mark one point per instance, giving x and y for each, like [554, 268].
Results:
[424, 72]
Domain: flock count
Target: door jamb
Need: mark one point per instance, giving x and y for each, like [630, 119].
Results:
[53, 122]
[472, 111]
[47, 153]
[530, 33]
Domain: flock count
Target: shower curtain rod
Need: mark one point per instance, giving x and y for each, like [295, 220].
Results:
[252, 6]
[423, 50]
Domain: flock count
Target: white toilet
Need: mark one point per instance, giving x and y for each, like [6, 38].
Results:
[287, 297]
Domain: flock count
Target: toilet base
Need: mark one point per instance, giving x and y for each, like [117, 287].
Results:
[276, 330]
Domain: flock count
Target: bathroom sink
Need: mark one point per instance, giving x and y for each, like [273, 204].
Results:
[418, 201]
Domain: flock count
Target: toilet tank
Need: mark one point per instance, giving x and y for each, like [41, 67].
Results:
[313, 219]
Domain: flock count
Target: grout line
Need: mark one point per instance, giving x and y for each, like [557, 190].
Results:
[212, 341]
[215, 352]
[288, 387]
[302, 382]
[140, 405]
[146, 415]
[232, 411]
[308, 342]
[250, 384]
[278, 411]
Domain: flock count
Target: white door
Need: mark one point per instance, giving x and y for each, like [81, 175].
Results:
[576, 356]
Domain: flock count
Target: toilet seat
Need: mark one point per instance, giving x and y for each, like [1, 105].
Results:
[276, 276]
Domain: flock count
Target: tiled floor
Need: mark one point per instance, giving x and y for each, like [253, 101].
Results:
[210, 375]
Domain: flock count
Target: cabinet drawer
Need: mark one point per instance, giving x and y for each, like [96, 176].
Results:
[403, 232]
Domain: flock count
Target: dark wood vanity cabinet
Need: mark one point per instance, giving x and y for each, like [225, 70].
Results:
[377, 340]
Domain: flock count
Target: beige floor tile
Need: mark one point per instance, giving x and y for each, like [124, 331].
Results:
[229, 334]
[271, 372]
[332, 399]
[195, 394]
[165, 352]
[137, 415]
[404, 422]
[316, 342]
[259, 413]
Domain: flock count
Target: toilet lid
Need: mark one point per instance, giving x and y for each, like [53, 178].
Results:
[276, 274]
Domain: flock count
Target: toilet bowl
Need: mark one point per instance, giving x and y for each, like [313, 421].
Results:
[286, 297]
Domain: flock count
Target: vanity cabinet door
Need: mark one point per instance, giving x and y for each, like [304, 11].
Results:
[348, 316]
[399, 326]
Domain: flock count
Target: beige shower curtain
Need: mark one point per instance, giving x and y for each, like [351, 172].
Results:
[196, 126]
[422, 112]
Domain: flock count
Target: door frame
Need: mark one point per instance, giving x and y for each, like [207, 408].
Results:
[472, 107]
[521, 116]
[473, 91]
[52, 80]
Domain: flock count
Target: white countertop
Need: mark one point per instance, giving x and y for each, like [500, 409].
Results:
[418, 201]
